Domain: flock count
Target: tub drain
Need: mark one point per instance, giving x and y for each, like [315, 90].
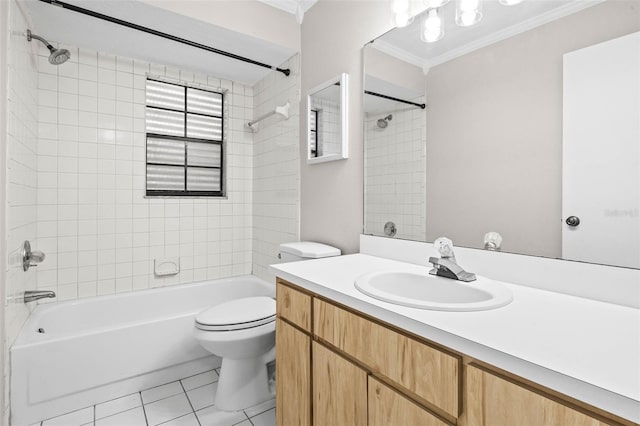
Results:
[41, 330]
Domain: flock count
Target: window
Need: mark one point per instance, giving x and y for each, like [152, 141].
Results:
[184, 128]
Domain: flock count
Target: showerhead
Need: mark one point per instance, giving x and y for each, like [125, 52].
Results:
[384, 122]
[57, 56]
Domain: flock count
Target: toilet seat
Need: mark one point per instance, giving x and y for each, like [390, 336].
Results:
[238, 314]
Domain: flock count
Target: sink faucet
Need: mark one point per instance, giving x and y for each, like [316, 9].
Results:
[446, 265]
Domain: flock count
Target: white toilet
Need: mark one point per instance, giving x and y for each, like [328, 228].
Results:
[242, 332]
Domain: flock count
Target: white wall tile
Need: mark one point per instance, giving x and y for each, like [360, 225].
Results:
[106, 233]
[275, 167]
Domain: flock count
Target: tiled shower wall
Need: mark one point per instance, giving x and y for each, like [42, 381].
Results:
[99, 232]
[276, 167]
[395, 173]
[21, 146]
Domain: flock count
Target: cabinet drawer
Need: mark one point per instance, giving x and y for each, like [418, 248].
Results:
[293, 305]
[388, 407]
[427, 373]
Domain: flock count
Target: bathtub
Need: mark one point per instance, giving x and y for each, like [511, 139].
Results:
[93, 350]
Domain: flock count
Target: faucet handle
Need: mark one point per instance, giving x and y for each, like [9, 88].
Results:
[444, 246]
[30, 258]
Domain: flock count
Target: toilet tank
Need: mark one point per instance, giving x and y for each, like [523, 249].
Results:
[304, 250]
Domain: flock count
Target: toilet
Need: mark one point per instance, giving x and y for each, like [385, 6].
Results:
[242, 332]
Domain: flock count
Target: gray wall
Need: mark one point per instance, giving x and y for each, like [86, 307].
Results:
[4, 20]
[333, 34]
[494, 139]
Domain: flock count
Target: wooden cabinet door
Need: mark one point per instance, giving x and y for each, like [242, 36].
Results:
[339, 390]
[293, 376]
[390, 408]
[493, 401]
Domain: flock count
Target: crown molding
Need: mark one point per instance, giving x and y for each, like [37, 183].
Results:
[393, 50]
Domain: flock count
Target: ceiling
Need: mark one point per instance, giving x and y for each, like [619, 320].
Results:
[498, 23]
[73, 29]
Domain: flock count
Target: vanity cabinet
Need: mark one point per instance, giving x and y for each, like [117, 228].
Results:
[293, 379]
[336, 366]
[493, 400]
[339, 389]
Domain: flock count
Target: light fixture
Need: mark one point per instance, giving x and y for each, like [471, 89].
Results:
[432, 27]
[401, 14]
[468, 12]
[434, 4]
[509, 2]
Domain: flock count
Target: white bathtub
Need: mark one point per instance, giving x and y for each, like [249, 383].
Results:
[95, 349]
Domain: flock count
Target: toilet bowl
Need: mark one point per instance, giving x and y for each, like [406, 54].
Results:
[242, 332]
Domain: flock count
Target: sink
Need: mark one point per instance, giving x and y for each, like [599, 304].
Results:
[426, 291]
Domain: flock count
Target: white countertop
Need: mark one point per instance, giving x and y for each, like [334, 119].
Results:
[586, 349]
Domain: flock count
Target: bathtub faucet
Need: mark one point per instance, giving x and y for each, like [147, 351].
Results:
[33, 295]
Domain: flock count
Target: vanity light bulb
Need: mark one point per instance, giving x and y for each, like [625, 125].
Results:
[400, 7]
[468, 12]
[400, 11]
[432, 28]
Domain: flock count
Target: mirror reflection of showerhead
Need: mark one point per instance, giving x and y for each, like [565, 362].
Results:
[57, 56]
[384, 122]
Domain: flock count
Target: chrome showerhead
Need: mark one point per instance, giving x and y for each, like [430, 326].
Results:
[57, 56]
[384, 122]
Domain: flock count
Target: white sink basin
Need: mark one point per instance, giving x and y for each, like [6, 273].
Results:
[432, 292]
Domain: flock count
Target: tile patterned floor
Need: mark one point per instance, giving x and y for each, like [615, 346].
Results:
[187, 402]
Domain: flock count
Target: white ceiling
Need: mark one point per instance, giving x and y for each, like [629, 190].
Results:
[77, 30]
[498, 23]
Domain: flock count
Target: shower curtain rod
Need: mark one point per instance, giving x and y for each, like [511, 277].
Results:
[111, 19]
[368, 92]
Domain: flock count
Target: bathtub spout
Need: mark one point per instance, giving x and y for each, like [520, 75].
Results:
[33, 295]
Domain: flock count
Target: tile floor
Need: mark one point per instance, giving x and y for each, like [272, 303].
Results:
[186, 402]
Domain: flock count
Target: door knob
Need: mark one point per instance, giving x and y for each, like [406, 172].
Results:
[573, 221]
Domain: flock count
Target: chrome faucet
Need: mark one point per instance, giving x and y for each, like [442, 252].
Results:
[446, 265]
[33, 295]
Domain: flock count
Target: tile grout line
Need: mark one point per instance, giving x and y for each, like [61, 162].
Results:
[189, 401]
[146, 420]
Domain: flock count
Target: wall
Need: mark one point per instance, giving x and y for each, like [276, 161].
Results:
[332, 36]
[245, 16]
[21, 197]
[276, 163]
[99, 232]
[4, 49]
[395, 172]
[495, 134]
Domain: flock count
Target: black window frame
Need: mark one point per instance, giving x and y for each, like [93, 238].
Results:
[186, 140]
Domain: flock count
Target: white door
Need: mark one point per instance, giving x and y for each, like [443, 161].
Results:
[601, 153]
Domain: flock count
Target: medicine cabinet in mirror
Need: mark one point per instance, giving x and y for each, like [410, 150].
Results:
[530, 130]
[327, 121]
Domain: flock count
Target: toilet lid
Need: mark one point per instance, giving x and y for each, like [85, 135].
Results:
[238, 314]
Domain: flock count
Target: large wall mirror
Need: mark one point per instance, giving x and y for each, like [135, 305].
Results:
[327, 121]
[526, 124]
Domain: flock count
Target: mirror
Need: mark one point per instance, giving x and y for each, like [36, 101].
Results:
[327, 121]
[511, 140]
